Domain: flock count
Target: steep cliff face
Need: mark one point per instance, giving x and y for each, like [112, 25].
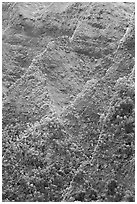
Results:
[68, 101]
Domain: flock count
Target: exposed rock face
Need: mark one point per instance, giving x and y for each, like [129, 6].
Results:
[68, 98]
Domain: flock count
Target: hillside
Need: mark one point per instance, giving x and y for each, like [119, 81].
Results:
[68, 101]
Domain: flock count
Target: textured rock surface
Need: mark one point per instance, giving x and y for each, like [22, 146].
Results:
[68, 101]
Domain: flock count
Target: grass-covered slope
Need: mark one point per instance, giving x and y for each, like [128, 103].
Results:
[68, 101]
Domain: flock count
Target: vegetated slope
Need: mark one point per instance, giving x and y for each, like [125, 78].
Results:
[68, 109]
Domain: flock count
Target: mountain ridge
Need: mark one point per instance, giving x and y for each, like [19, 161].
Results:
[68, 101]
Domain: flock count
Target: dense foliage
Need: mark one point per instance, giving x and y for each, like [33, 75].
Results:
[68, 102]
[39, 163]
